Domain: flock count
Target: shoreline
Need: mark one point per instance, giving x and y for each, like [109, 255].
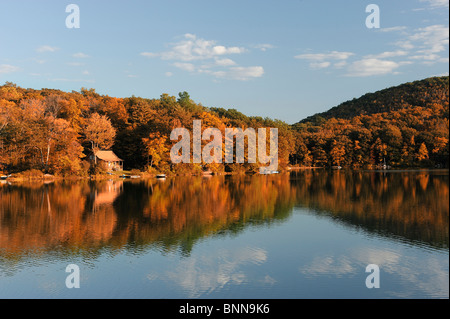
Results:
[145, 176]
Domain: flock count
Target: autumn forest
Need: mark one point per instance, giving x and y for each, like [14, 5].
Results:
[55, 132]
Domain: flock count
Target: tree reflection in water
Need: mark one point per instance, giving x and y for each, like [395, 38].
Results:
[70, 217]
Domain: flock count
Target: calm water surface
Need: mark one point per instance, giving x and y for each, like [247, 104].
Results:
[308, 234]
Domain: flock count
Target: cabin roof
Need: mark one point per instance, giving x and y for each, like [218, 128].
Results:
[108, 156]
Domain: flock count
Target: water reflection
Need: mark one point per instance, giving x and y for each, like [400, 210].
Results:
[204, 274]
[71, 217]
[422, 277]
[411, 206]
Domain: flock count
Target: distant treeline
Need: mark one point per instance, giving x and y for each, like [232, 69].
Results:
[55, 131]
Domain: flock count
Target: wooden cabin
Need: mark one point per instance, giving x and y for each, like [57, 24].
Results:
[111, 161]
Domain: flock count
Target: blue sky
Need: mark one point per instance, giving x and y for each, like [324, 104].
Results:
[281, 59]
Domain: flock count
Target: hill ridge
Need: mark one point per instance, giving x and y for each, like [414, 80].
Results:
[408, 94]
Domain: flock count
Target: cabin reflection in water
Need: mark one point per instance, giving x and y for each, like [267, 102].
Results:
[107, 193]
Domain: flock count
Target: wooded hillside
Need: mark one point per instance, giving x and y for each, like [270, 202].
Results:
[55, 131]
[407, 125]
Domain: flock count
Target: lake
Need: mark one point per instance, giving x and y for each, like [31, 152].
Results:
[305, 234]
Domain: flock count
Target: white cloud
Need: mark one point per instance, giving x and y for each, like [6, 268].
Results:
[190, 36]
[321, 60]
[429, 44]
[7, 68]
[240, 73]
[46, 48]
[387, 54]
[393, 29]
[333, 55]
[431, 39]
[221, 50]
[85, 72]
[168, 74]
[340, 65]
[319, 65]
[424, 45]
[225, 62]
[192, 48]
[426, 57]
[437, 3]
[404, 44]
[149, 54]
[264, 47]
[371, 67]
[197, 55]
[80, 55]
